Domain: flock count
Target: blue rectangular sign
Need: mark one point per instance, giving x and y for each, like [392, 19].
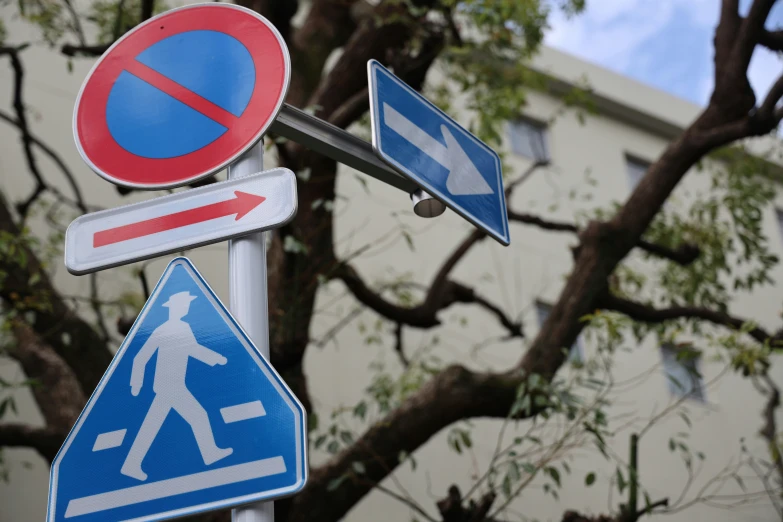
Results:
[429, 147]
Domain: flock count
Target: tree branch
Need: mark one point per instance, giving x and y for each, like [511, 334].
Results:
[351, 110]
[97, 309]
[21, 117]
[454, 394]
[767, 109]
[371, 39]
[328, 26]
[757, 16]
[82, 348]
[77, 24]
[69, 176]
[530, 219]
[649, 314]
[146, 10]
[684, 255]
[514, 327]
[56, 390]
[452, 509]
[769, 429]
[772, 40]
[423, 315]
[117, 30]
[86, 51]
[399, 347]
[45, 441]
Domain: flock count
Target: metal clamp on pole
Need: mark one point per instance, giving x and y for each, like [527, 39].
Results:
[425, 205]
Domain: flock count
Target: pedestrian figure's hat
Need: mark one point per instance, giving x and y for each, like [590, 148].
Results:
[178, 299]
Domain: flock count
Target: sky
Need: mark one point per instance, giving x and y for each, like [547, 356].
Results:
[664, 43]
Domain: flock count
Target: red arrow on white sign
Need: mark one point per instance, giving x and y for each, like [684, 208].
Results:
[239, 205]
[179, 221]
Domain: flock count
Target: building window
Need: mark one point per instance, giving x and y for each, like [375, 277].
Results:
[635, 170]
[682, 372]
[576, 353]
[528, 138]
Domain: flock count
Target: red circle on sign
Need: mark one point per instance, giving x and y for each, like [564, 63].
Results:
[272, 72]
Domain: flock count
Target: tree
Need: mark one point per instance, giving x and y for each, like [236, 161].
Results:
[484, 45]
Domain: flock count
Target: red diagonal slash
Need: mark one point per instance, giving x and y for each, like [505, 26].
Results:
[240, 205]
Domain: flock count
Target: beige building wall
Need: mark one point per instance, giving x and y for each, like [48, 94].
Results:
[636, 120]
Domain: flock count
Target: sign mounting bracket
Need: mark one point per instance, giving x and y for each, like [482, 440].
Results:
[337, 144]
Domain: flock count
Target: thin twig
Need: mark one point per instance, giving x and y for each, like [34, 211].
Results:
[69, 176]
[77, 24]
[398, 345]
[97, 308]
[27, 142]
[117, 31]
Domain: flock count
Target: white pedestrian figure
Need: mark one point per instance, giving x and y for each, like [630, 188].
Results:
[175, 343]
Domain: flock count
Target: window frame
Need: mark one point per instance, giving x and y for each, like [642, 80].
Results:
[631, 159]
[542, 132]
[691, 366]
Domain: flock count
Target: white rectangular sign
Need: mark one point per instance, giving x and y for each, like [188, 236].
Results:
[178, 221]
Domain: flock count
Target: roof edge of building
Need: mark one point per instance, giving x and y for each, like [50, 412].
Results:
[636, 104]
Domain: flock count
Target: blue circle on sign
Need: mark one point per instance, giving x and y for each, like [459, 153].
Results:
[154, 124]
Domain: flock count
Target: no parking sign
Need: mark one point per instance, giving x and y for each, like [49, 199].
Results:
[181, 96]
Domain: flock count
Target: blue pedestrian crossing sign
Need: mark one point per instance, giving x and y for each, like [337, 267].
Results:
[423, 143]
[189, 417]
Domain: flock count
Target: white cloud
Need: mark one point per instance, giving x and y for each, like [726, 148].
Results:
[623, 34]
[609, 31]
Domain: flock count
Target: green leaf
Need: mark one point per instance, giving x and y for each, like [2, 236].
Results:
[360, 410]
[528, 468]
[620, 481]
[465, 436]
[513, 471]
[506, 486]
[552, 471]
[590, 479]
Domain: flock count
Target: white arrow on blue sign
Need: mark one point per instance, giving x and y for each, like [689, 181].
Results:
[426, 145]
[189, 417]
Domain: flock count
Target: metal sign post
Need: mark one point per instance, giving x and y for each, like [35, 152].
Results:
[247, 289]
